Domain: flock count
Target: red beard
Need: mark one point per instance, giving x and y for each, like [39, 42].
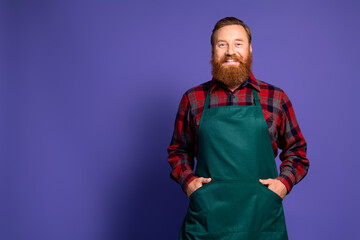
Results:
[232, 76]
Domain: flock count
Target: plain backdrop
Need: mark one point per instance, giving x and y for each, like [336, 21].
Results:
[89, 91]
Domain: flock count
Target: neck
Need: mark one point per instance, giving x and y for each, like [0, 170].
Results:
[232, 89]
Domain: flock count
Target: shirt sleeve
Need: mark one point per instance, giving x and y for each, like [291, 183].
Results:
[182, 148]
[294, 164]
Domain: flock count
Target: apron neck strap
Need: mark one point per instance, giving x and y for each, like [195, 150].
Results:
[256, 97]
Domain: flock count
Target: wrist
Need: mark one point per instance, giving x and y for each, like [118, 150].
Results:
[285, 183]
[186, 188]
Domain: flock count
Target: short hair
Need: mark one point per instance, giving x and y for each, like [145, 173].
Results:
[230, 21]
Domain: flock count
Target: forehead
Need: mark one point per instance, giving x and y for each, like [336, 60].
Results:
[230, 32]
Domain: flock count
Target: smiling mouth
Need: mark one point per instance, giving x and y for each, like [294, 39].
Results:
[230, 62]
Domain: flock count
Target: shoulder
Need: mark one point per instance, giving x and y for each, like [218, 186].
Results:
[194, 98]
[268, 87]
[199, 92]
[204, 87]
[270, 91]
[275, 96]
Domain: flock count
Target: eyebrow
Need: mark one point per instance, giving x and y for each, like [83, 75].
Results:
[238, 39]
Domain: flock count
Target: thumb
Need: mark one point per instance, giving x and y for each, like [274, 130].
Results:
[264, 181]
[206, 180]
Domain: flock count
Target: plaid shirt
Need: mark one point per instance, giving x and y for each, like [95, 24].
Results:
[279, 115]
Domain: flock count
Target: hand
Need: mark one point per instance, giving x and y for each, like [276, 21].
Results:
[195, 184]
[276, 186]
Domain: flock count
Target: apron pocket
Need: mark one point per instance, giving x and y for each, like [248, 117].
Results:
[234, 206]
[271, 193]
[199, 190]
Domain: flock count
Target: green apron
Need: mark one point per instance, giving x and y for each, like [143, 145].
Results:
[235, 150]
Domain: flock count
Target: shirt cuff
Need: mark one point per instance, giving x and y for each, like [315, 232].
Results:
[286, 180]
[189, 178]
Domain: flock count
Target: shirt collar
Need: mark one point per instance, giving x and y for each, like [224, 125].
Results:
[252, 82]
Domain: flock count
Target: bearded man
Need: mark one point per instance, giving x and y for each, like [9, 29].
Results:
[234, 125]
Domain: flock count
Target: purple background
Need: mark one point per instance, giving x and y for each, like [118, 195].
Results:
[89, 94]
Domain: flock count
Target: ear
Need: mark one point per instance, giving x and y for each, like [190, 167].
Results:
[250, 48]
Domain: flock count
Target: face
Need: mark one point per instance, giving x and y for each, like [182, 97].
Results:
[231, 56]
[229, 41]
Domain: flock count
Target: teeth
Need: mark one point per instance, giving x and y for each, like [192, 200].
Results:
[230, 60]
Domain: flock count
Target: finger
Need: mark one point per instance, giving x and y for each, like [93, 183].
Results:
[204, 180]
[207, 180]
[265, 181]
[268, 179]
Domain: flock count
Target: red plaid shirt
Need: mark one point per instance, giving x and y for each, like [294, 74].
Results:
[279, 115]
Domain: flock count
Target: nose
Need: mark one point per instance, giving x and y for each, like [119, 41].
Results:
[230, 50]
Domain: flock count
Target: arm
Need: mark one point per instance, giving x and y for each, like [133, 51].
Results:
[294, 164]
[182, 147]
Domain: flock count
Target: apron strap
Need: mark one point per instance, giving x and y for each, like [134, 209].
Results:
[256, 97]
[207, 101]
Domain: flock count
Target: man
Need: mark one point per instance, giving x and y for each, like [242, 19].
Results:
[234, 125]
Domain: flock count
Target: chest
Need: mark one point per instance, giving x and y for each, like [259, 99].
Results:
[271, 109]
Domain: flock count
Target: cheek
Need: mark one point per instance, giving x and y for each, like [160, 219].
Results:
[218, 55]
[243, 54]
[246, 52]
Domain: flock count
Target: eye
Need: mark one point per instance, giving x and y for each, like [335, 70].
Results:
[221, 44]
[238, 44]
